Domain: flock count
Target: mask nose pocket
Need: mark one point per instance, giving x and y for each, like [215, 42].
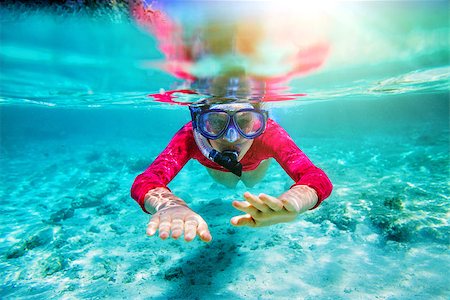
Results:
[231, 134]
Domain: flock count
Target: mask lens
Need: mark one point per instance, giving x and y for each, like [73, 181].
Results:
[249, 122]
[213, 123]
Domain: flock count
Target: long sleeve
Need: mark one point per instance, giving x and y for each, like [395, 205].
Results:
[296, 164]
[166, 166]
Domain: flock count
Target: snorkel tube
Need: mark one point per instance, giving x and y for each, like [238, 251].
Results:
[227, 159]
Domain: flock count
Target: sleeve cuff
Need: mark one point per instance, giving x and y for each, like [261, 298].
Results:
[140, 199]
[320, 183]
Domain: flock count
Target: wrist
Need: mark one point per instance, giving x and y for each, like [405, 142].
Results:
[161, 198]
[301, 196]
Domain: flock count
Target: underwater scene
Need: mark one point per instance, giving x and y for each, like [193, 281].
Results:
[91, 92]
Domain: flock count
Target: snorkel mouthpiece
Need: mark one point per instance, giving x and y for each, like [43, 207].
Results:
[228, 160]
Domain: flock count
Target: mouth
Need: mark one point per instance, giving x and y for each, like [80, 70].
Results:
[234, 147]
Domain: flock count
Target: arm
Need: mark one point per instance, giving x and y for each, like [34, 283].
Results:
[169, 213]
[165, 167]
[299, 167]
[312, 185]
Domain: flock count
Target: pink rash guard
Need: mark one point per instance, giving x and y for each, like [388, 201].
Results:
[274, 142]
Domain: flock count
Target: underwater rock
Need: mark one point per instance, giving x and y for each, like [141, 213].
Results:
[381, 221]
[128, 278]
[295, 246]
[106, 209]
[59, 243]
[161, 259]
[269, 244]
[231, 231]
[52, 264]
[392, 222]
[393, 203]
[250, 278]
[101, 273]
[86, 202]
[94, 229]
[398, 233]
[173, 273]
[336, 213]
[106, 270]
[83, 241]
[233, 248]
[17, 250]
[438, 234]
[348, 290]
[61, 215]
[118, 229]
[42, 237]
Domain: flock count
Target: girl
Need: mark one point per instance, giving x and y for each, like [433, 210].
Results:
[234, 139]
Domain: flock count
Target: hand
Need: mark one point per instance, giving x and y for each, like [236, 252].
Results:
[178, 219]
[262, 210]
[265, 210]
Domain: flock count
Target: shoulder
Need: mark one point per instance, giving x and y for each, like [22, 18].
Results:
[267, 141]
[272, 127]
[186, 130]
[187, 126]
[274, 135]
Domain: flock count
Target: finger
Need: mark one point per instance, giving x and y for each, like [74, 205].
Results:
[203, 231]
[164, 226]
[177, 228]
[190, 228]
[272, 202]
[290, 205]
[243, 220]
[256, 202]
[152, 225]
[246, 207]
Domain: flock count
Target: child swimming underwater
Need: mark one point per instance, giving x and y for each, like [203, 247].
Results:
[234, 139]
[231, 135]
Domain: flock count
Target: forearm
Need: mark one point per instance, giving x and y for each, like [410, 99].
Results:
[302, 197]
[159, 198]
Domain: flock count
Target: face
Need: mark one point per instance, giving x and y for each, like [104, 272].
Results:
[232, 140]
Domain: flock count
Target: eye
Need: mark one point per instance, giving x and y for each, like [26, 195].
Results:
[249, 122]
[217, 122]
[214, 122]
[245, 119]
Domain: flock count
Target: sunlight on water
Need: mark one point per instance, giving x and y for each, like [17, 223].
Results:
[358, 49]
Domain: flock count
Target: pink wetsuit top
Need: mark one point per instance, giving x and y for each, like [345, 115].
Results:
[274, 142]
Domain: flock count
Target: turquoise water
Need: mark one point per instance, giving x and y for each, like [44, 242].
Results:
[77, 127]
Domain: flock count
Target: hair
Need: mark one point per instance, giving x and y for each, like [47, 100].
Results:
[224, 100]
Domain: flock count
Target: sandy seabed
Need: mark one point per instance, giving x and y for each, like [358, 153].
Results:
[70, 230]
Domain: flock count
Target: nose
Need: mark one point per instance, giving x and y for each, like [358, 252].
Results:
[231, 135]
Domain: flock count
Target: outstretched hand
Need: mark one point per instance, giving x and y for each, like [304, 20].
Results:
[264, 210]
[178, 219]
